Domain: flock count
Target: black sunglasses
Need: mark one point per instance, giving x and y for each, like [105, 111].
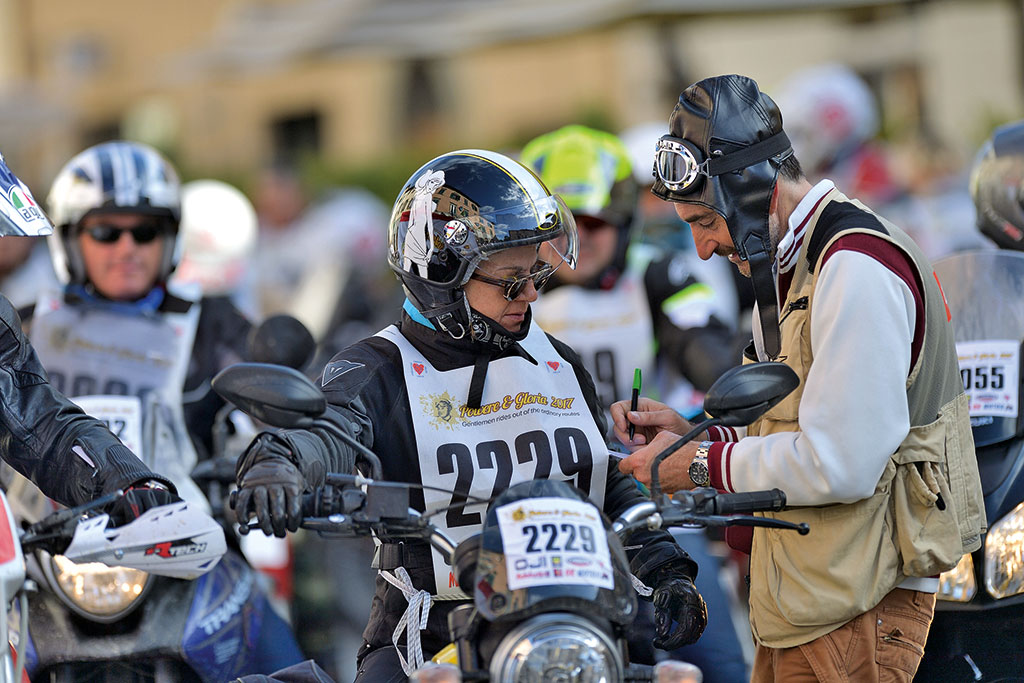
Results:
[108, 234]
[514, 286]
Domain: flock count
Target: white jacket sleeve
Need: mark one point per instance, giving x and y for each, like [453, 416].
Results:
[853, 414]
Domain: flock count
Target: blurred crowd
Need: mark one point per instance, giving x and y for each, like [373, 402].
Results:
[276, 248]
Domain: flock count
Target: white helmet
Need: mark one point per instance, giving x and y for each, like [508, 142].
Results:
[19, 212]
[125, 177]
[828, 112]
[218, 236]
[641, 140]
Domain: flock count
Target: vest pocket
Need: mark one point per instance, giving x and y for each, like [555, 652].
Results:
[926, 529]
[839, 570]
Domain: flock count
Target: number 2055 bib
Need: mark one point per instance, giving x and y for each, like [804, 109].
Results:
[533, 423]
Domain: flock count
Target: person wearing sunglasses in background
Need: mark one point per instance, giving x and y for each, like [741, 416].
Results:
[873, 448]
[471, 248]
[141, 354]
[72, 457]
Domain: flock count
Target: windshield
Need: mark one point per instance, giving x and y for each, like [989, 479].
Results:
[985, 294]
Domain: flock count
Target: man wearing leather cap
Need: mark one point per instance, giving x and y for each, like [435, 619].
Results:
[873, 448]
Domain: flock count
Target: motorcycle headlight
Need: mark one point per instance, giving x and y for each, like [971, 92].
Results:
[550, 648]
[95, 590]
[957, 584]
[1004, 555]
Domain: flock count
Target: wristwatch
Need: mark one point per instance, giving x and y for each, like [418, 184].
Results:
[699, 473]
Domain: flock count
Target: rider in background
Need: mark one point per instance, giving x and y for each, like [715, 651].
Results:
[629, 305]
[116, 331]
[72, 457]
[425, 393]
[833, 121]
[625, 305]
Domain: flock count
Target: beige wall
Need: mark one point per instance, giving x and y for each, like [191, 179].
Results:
[104, 61]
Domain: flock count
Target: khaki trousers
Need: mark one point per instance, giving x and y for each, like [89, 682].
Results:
[884, 644]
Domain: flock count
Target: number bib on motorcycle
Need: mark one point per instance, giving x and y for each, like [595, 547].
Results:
[533, 423]
[554, 540]
[989, 372]
[101, 355]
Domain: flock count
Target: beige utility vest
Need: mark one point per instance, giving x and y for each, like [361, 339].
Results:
[927, 509]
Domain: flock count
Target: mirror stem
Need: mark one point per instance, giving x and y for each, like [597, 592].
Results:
[656, 463]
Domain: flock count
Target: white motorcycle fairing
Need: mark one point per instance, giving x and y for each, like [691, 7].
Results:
[173, 540]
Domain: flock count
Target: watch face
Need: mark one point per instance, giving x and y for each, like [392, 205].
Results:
[699, 473]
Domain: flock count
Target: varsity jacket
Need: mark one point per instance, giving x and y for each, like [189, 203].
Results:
[874, 447]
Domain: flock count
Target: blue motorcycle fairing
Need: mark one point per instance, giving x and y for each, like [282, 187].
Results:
[224, 621]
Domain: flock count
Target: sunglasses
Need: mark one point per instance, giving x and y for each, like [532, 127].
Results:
[540, 274]
[108, 234]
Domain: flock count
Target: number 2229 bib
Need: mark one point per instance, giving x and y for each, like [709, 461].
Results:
[533, 423]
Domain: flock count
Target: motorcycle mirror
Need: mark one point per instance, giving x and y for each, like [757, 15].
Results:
[281, 340]
[277, 395]
[746, 392]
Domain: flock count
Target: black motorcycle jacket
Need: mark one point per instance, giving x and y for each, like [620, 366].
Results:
[367, 395]
[220, 340]
[70, 456]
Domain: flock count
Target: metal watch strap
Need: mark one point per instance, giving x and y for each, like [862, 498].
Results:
[699, 473]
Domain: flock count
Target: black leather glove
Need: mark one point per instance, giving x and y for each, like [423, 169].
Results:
[270, 486]
[138, 499]
[677, 601]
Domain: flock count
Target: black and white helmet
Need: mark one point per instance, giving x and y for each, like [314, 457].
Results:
[456, 211]
[114, 177]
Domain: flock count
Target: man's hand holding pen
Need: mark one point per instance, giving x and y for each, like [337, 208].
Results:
[656, 427]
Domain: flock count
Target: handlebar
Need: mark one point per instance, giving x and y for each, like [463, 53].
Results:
[706, 507]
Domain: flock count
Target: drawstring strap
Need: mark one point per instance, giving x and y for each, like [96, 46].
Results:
[640, 587]
[412, 621]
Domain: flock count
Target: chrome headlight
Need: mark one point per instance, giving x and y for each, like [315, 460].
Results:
[551, 648]
[1004, 555]
[95, 590]
[957, 584]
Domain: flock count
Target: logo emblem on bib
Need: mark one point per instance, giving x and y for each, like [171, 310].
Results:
[553, 366]
[419, 369]
[441, 409]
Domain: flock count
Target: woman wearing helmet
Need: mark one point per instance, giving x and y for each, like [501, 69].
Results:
[433, 383]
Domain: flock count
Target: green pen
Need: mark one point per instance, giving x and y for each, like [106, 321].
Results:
[634, 400]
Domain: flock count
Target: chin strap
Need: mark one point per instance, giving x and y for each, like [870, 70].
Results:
[763, 279]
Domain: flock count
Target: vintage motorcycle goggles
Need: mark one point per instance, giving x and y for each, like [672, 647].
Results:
[681, 165]
[540, 274]
[108, 234]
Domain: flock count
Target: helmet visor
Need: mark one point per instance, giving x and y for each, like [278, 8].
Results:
[19, 212]
[545, 221]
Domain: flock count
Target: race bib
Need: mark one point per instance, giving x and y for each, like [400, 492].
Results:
[989, 370]
[121, 414]
[554, 541]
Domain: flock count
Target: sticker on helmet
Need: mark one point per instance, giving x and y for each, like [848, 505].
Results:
[21, 215]
[419, 236]
[456, 233]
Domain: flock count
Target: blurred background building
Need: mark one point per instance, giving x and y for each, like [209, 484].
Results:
[359, 91]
